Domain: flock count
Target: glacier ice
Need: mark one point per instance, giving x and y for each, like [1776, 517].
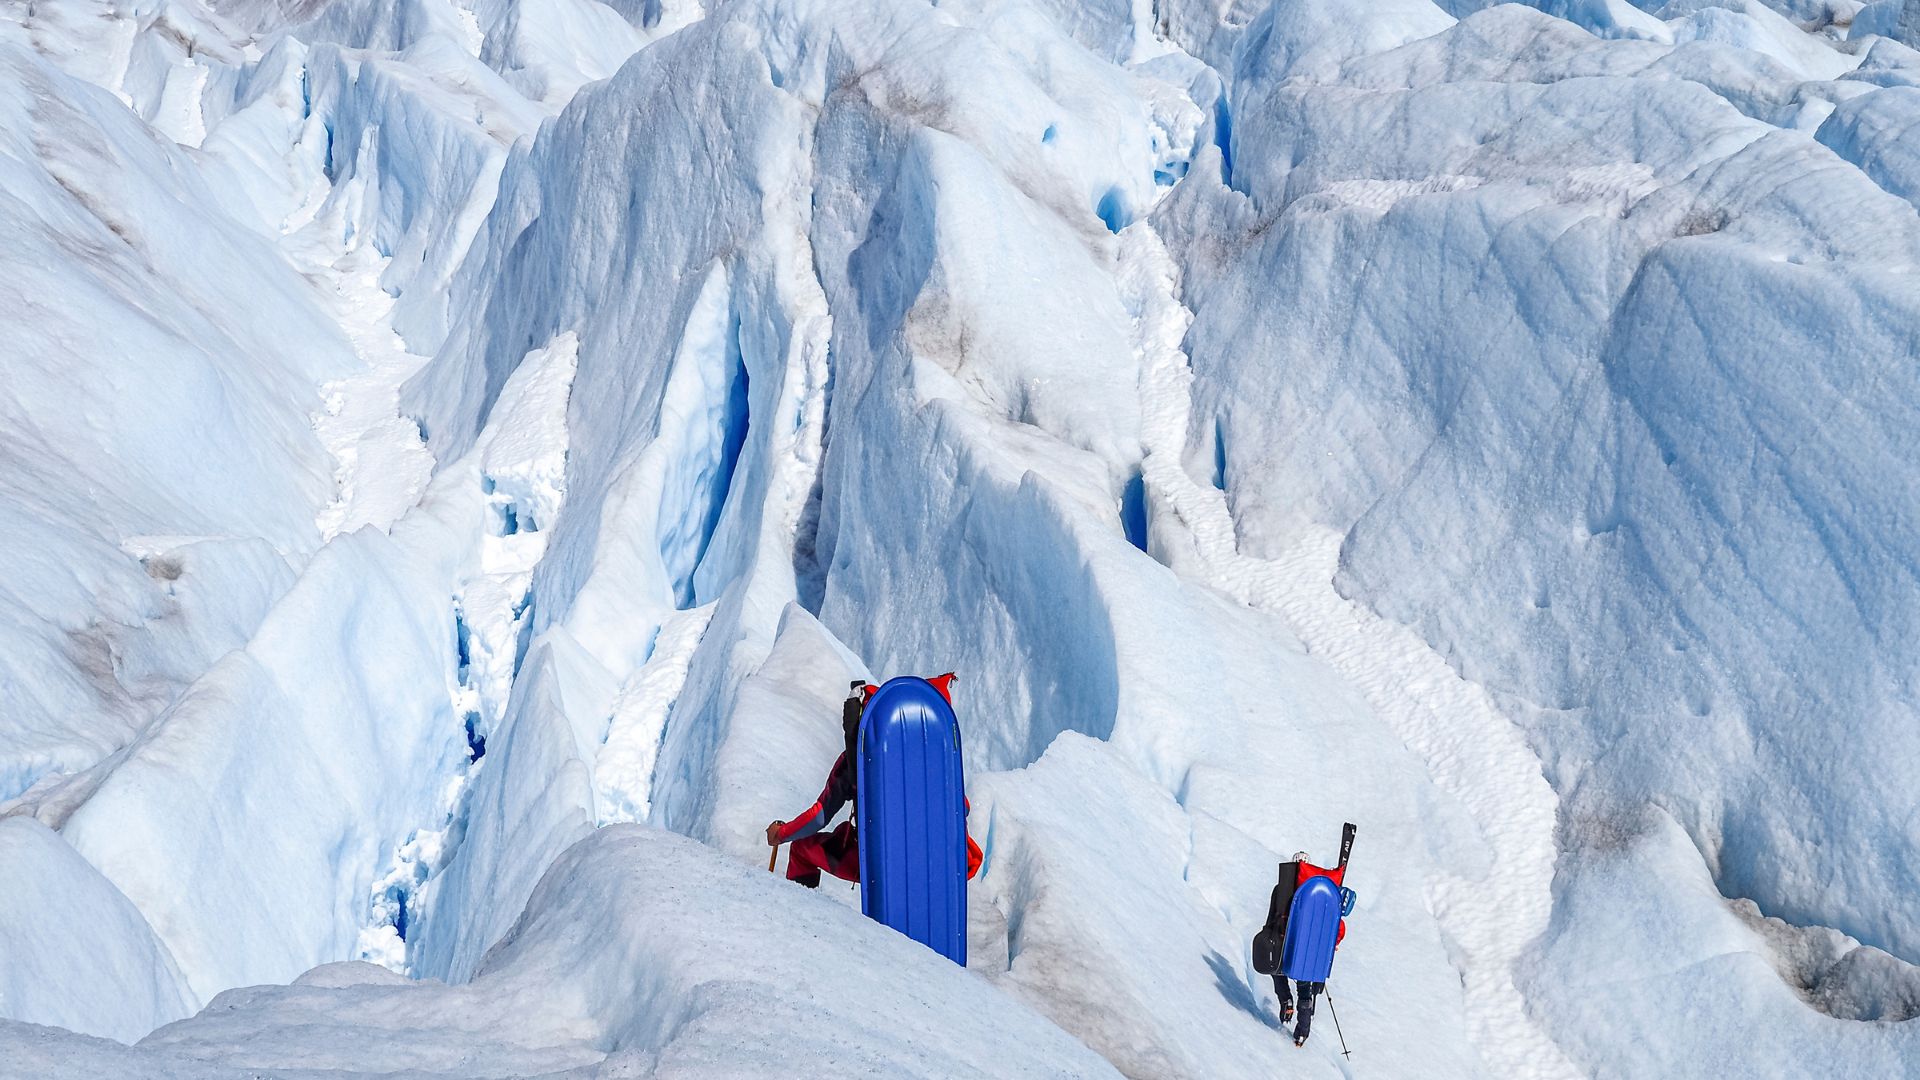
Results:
[458, 453]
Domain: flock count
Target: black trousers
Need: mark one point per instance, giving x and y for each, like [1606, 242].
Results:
[1303, 1013]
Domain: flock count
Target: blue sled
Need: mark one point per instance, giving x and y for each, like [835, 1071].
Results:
[911, 816]
[1313, 928]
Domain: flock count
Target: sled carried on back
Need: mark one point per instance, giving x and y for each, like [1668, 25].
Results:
[911, 815]
[1313, 922]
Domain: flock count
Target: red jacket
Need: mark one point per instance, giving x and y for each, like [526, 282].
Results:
[840, 789]
[836, 794]
[1308, 870]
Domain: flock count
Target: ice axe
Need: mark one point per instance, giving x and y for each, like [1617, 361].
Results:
[773, 855]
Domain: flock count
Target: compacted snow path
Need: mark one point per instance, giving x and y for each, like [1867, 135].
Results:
[1490, 916]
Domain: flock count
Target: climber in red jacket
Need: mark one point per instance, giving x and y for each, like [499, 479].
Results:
[1270, 943]
[838, 852]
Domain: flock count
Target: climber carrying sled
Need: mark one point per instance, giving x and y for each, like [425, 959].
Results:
[1304, 925]
[838, 852]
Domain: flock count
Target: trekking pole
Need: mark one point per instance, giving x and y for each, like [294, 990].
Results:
[1344, 1052]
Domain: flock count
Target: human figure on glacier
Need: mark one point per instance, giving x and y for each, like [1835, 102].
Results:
[1269, 944]
[838, 852]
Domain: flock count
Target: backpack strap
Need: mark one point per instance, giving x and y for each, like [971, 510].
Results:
[850, 712]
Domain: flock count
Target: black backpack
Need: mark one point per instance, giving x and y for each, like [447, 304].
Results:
[1271, 938]
[850, 712]
[1267, 942]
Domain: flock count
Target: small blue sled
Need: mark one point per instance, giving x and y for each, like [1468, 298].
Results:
[1313, 928]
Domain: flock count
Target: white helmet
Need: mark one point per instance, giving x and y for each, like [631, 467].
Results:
[1301, 856]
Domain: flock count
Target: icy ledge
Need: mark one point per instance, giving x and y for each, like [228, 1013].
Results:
[641, 953]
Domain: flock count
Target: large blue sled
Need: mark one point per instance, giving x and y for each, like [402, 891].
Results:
[911, 814]
[1313, 928]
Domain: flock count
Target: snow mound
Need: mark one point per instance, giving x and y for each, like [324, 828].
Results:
[640, 954]
[59, 912]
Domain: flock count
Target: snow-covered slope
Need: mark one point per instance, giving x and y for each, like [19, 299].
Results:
[439, 430]
[724, 972]
[160, 467]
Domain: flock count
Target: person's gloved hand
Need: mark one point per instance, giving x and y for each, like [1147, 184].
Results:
[773, 833]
